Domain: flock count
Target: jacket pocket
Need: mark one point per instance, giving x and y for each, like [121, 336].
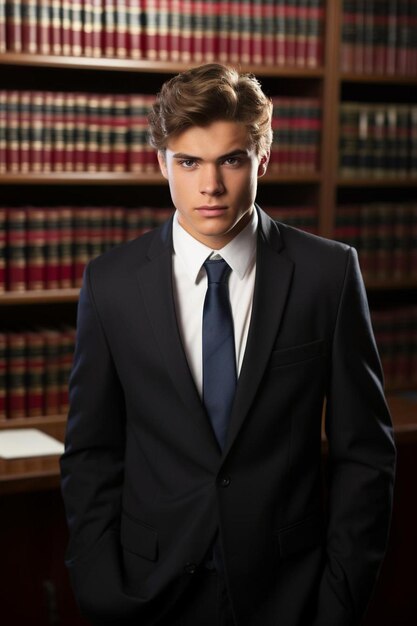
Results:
[301, 536]
[297, 354]
[139, 538]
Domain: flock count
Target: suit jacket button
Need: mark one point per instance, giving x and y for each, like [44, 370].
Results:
[190, 568]
[224, 481]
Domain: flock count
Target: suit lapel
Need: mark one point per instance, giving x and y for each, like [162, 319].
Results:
[273, 278]
[155, 285]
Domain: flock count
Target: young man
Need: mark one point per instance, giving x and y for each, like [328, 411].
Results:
[206, 351]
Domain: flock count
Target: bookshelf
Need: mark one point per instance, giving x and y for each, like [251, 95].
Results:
[30, 487]
[325, 189]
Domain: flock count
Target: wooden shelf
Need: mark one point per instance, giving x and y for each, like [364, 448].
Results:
[143, 65]
[39, 297]
[351, 77]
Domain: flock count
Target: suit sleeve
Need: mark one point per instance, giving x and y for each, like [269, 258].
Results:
[92, 470]
[361, 461]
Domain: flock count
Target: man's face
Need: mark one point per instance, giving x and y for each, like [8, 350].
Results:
[212, 173]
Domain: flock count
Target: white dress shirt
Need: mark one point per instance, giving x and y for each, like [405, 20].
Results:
[190, 285]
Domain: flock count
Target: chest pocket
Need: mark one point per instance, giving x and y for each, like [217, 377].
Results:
[297, 354]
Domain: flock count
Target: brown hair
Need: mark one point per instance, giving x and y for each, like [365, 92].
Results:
[212, 92]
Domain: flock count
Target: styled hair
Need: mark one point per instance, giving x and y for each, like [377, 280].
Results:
[209, 93]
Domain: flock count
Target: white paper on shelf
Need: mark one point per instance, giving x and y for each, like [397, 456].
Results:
[18, 443]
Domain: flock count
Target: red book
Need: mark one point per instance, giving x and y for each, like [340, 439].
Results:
[58, 129]
[65, 248]
[380, 37]
[3, 224]
[52, 248]
[77, 27]
[25, 130]
[66, 27]
[120, 147]
[67, 343]
[35, 248]
[35, 365]
[29, 26]
[51, 339]
[163, 27]
[186, 39]
[48, 128]
[12, 131]
[106, 125]
[16, 249]
[3, 42]
[81, 244]
[135, 31]
[211, 39]
[93, 133]
[37, 125]
[69, 131]
[3, 375]
[16, 374]
[55, 26]
[121, 29]
[138, 129]
[97, 30]
[80, 136]
[3, 131]
[109, 28]
[315, 28]
[14, 26]
[44, 27]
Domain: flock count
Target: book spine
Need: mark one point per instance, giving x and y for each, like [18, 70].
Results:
[3, 36]
[37, 122]
[12, 131]
[210, 40]
[16, 249]
[151, 33]
[138, 128]
[315, 33]
[348, 36]
[96, 28]
[35, 248]
[105, 113]
[44, 26]
[135, 29]
[109, 28]
[256, 56]
[81, 244]
[198, 30]
[65, 247]
[35, 365]
[380, 36]
[25, 130]
[67, 343]
[163, 26]
[234, 32]
[403, 36]
[175, 30]
[69, 132]
[51, 339]
[16, 374]
[93, 134]
[52, 249]
[384, 244]
[55, 29]
[87, 28]
[121, 29]
[369, 35]
[58, 132]
[3, 242]
[186, 39]
[120, 133]
[48, 132]
[3, 132]
[14, 41]
[359, 27]
[80, 135]
[77, 28]
[29, 26]
[3, 376]
[349, 139]
[66, 16]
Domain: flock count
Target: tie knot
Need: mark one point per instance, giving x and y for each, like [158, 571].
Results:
[217, 271]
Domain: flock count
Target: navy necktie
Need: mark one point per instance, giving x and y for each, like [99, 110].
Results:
[219, 361]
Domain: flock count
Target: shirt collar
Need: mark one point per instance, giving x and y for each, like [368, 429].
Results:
[238, 253]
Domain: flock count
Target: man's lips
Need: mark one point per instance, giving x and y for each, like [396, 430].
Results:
[211, 210]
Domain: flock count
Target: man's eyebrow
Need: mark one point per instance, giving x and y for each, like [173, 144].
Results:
[233, 153]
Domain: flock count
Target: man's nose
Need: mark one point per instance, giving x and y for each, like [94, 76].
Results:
[211, 182]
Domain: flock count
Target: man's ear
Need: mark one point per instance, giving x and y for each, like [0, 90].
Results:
[263, 164]
[162, 163]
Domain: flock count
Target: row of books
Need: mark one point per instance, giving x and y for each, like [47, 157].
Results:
[396, 336]
[74, 132]
[35, 365]
[379, 37]
[385, 235]
[378, 140]
[48, 247]
[296, 125]
[81, 132]
[267, 32]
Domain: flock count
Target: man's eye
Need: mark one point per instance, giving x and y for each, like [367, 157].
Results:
[232, 161]
[187, 163]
